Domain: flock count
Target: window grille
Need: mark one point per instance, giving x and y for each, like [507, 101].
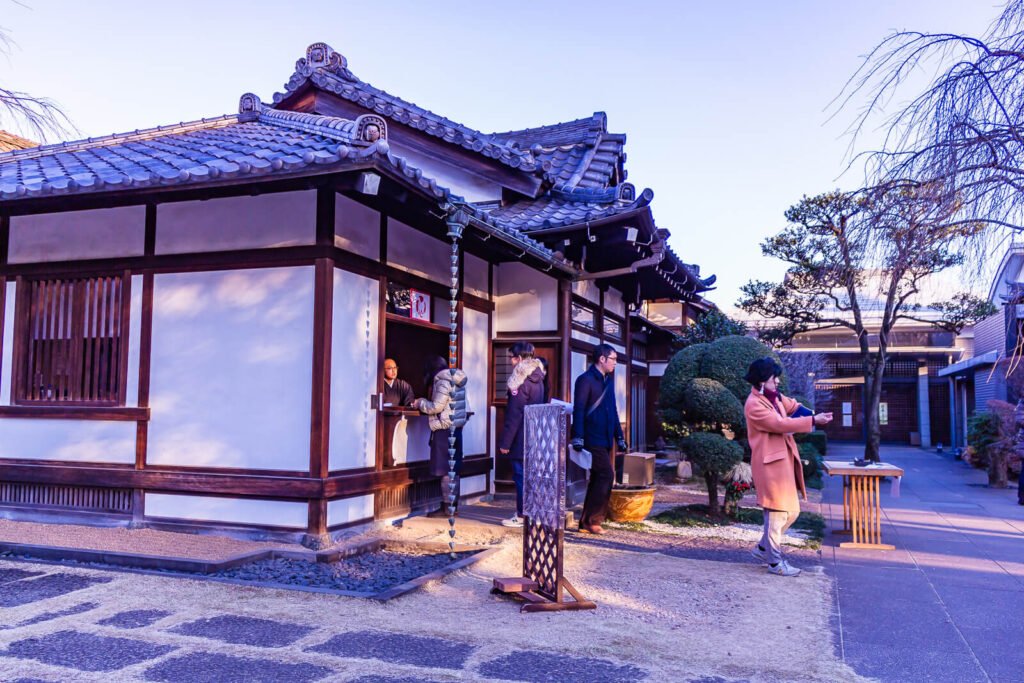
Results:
[71, 341]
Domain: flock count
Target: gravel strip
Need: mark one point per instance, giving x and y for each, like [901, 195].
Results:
[367, 573]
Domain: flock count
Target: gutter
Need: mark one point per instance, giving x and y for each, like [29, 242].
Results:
[658, 249]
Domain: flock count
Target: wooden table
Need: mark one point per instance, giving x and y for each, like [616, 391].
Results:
[862, 506]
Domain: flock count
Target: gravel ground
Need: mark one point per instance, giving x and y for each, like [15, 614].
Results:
[370, 572]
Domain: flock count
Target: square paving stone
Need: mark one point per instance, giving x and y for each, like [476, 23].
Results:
[49, 616]
[398, 649]
[543, 667]
[245, 630]
[45, 587]
[136, 618]
[7, 575]
[85, 651]
[205, 667]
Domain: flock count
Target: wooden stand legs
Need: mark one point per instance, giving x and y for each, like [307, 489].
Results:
[862, 513]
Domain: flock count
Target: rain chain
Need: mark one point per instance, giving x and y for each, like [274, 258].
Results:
[456, 224]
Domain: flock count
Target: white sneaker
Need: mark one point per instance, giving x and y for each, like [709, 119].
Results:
[759, 555]
[783, 569]
[514, 522]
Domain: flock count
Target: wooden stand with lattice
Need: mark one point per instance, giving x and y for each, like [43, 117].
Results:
[542, 585]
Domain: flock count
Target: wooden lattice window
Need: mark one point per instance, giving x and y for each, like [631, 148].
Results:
[71, 343]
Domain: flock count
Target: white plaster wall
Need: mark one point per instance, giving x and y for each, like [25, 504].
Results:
[356, 227]
[583, 336]
[470, 186]
[474, 278]
[270, 220]
[621, 391]
[475, 361]
[418, 253]
[231, 369]
[587, 289]
[613, 302]
[473, 485]
[619, 348]
[526, 300]
[8, 341]
[134, 335]
[657, 369]
[76, 235]
[228, 510]
[354, 367]
[72, 440]
[347, 510]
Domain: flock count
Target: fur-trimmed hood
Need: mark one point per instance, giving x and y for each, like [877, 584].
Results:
[527, 369]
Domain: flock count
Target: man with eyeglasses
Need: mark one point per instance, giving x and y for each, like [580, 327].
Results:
[595, 427]
[397, 392]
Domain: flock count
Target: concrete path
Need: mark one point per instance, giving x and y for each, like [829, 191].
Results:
[948, 603]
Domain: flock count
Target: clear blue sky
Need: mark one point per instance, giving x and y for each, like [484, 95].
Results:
[724, 103]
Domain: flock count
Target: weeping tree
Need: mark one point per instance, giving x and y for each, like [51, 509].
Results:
[39, 117]
[961, 133]
[857, 261]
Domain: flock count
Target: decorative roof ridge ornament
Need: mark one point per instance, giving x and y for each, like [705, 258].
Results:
[249, 108]
[323, 56]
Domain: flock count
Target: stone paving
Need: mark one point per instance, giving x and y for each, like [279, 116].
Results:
[69, 654]
[948, 603]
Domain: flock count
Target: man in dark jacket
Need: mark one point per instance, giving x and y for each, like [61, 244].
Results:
[525, 388]
[595, 426]
[397, 391]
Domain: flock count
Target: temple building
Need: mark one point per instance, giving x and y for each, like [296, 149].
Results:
[195, 317]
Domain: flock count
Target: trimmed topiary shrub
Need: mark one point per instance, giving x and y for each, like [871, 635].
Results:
[714, 455]
[684, 366]
[727, 360]
[709, 406]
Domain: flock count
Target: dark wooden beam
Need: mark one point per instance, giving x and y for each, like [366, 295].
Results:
[323, 304]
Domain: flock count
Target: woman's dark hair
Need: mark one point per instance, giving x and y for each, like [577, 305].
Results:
[521, 350]
[601, 350]
[762, 370]
[434, 365]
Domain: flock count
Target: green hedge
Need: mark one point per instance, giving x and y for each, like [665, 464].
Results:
[818, 439]
[811, 460]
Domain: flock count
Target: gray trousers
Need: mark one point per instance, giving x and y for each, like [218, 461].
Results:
[775, 524]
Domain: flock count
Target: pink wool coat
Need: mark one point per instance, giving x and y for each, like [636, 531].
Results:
[778, 476]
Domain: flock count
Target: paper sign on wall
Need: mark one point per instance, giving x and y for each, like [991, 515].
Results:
[847, 408]
[419, 305]
[847, 420]
[883, 413]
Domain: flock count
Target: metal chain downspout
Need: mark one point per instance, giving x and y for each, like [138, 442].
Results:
[456, 224]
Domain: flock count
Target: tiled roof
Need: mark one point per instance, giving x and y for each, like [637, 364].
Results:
[328, 70]
[580, 153]
[569, 207]
[581, 161]
[9, 141]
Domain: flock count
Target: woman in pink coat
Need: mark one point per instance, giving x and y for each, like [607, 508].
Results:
[778, 476]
